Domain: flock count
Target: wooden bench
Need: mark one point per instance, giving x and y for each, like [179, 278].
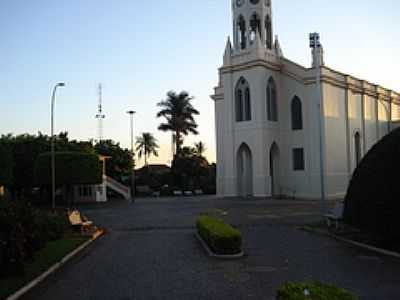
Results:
[335, 215]
[80, 222]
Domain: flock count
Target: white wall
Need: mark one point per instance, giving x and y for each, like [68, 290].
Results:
[335, 140]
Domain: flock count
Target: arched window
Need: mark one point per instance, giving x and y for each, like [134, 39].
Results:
[272, 106]
[241, 32]
[247, 105]
[255, 26]
[239, 106]
[268, 28]
[357, 147]
[297, 114]
[242, 101]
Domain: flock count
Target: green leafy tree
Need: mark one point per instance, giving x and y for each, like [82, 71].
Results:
[178, 113]
[199, 148]
[119, 165]
[73, 168]
[6, 163]
[188, 169]
[146, 145]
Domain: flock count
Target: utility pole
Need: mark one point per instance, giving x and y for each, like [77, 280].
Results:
[100, 116]
[131, 113]
[316, 46]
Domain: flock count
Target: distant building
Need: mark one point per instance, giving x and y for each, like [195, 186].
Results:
[268, 116]
[98, 192]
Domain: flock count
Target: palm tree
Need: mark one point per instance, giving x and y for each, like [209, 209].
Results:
[199, 148]
[147, 145]
[179, 115]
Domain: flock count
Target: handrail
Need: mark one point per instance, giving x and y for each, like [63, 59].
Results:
[118, 184]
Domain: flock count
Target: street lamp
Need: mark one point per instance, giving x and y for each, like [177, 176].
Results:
[316, 45]
[131, 113]
[53, 159]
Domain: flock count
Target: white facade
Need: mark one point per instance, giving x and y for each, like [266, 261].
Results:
[266, 149]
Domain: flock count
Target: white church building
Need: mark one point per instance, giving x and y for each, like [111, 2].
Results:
[287, 130]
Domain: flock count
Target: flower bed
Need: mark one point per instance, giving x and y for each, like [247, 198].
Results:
[222, 238]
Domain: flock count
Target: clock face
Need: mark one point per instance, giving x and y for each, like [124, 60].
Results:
[239, 3]
[254, 1]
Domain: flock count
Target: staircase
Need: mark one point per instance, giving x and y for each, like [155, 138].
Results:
[118, 187]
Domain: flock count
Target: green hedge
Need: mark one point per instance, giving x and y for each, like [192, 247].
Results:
[72, 168]
[313, 290]
[222, 238]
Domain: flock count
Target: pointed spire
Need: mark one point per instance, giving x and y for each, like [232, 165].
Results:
[257, 43]
[228, 52]
[277, 47]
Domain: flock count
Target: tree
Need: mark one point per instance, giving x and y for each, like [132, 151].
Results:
[119, 165]
[73, 168]
[200, 148]
[188, 169]
[372, 201]
[179, 115]
[6, 163]
[147, 146]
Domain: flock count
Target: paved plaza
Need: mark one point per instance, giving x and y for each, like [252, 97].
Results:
[150, 252]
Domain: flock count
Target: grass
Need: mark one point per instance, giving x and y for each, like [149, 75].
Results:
[43, 260]
[313, 290]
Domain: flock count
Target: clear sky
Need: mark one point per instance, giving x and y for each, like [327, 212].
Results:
[139, 50]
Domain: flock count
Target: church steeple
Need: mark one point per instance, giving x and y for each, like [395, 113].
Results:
[251, 17]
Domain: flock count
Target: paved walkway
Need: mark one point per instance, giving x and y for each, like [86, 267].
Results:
[150, 253]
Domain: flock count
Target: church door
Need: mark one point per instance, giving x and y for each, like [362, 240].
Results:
[274, 170]
[245, 171]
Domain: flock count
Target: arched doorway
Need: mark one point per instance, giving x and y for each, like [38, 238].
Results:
[274, 170]
[245, 171]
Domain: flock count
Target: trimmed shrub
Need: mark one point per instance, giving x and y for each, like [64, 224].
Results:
[313, 290]
[372, 201]
[221, 238]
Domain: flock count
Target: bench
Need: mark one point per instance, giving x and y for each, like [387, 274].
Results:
[80, 222]
[335, 215]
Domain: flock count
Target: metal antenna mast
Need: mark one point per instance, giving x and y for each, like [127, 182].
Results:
[100, 116]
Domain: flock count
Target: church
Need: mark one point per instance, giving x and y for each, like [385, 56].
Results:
[283, 129]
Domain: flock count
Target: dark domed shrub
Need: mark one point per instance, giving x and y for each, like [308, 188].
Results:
[373, 197]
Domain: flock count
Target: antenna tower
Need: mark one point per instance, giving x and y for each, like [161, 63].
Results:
[100, 116]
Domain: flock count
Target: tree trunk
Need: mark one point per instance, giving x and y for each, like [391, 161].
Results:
[178, 142]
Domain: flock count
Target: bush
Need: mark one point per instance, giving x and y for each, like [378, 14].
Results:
[222, 238]
[6, 163]
[372, 201]
[312, 290]
[23, 231]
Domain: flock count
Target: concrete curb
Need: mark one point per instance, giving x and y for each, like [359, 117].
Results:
[212, 254]
[354, 243]
[29, 286]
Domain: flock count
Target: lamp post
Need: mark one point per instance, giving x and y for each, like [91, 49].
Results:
[316, 45]
[131, 113]
[53, 159]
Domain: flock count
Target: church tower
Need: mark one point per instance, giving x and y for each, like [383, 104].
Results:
[252, 17]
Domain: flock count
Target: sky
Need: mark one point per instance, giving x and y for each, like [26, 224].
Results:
[139, 50]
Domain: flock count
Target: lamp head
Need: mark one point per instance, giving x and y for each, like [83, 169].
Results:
[61, 84]
[131, 112]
